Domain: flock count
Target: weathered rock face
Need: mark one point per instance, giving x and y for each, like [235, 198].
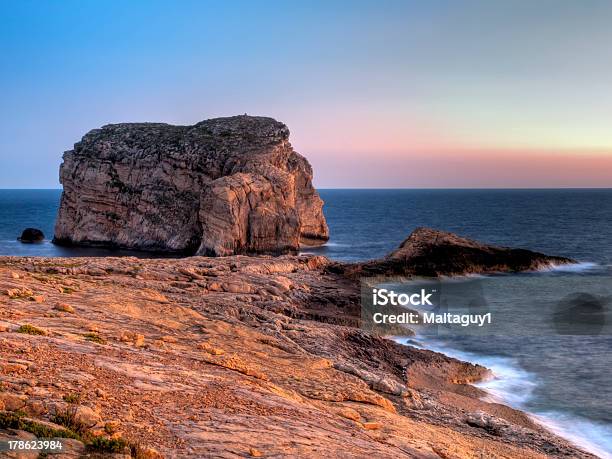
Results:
[220, 187]
[243, 355]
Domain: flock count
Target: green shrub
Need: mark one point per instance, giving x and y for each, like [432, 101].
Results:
[30, 330]
[107, 445]
[72, 398]
[16, 421]
[67, 418]
[94, 337]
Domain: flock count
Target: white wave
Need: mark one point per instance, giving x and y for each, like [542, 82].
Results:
[570, 268]
[512, 385]
[328, 244]
[334, 244]
[591, 436]
[462, 277]
[509, 383]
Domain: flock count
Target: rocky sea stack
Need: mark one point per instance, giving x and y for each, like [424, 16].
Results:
[220, 187]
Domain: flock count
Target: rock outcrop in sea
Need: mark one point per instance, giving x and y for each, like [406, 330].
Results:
[223, 186]
[30, 235]
[431, 252]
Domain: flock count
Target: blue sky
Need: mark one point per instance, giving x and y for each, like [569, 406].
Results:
[385, 93]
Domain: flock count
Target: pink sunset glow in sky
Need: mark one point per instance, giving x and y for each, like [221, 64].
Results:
[403, 93]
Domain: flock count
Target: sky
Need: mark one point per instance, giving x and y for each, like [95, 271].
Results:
[408, 94]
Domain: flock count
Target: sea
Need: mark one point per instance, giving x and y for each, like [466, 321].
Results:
[564, 381]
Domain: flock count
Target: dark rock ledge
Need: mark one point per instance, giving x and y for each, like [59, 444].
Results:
[429, 252]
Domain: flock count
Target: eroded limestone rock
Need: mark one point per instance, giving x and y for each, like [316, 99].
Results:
[220, 187]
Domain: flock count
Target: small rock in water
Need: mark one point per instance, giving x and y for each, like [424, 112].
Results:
[30, 235]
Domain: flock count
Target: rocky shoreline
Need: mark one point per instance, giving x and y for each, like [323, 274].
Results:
[235, 357]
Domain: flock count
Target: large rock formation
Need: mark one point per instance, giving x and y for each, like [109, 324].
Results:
[220, 187]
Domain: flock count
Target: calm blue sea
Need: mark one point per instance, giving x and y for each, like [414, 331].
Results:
[564, 380]
[369, 223]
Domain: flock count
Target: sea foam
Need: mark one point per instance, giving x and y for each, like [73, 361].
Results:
[571, 268]
[512, 385]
